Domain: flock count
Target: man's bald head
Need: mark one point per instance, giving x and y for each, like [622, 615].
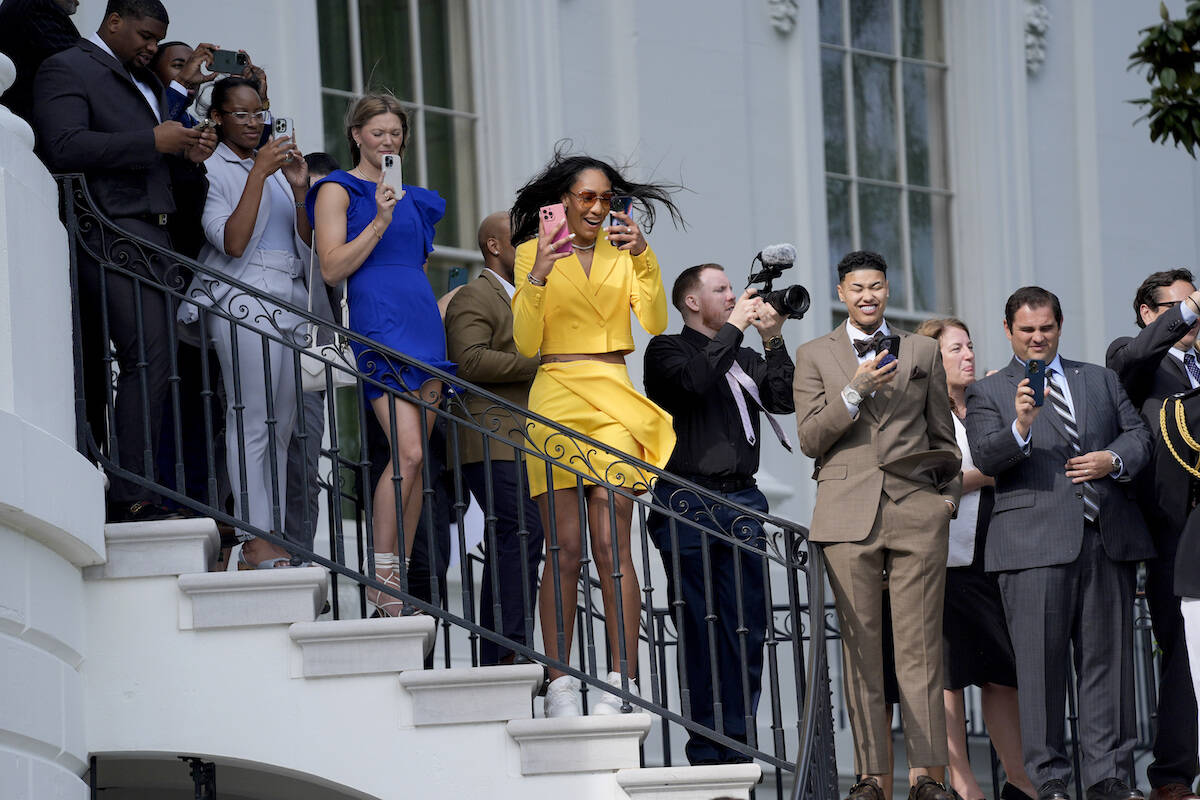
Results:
[494, 243]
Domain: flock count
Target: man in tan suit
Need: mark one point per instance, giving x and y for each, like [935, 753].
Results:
[887, 472]
[479, 338]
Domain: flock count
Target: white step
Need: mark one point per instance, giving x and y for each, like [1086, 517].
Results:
[162, 547]
[472, 694]
[251, 597]
[363, 646]
[690, 783]
[579, 744]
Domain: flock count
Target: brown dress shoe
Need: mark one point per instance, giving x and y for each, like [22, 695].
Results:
[1173, 791]
[866, 789]
[927, 788]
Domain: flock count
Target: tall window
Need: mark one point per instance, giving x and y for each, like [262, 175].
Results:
[420, 51]
[883, 77]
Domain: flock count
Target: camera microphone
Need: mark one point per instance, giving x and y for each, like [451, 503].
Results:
[778, 255]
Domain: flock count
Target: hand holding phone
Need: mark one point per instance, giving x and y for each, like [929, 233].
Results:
[392, 174]
[231, 62]
[620, 204]
[892, 345]
[551, 217]
[1035, 371]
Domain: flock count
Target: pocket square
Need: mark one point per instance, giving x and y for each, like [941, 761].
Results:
[917, 373]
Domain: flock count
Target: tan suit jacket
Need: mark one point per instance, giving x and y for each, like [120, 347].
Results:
[479, 338]
[902, 441]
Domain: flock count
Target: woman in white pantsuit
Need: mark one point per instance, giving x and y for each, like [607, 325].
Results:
[257, 232]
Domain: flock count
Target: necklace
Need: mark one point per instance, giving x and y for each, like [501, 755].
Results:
[581, 247]
[356, 172]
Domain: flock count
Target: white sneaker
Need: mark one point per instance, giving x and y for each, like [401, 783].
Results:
[562, 698]
[611, 703]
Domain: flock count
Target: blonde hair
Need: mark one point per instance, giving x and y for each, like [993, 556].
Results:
[367, 107]
[934, 328]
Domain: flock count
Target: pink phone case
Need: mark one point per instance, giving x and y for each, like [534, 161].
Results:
[551, 216]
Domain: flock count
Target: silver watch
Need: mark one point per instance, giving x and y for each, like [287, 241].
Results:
[851, 396]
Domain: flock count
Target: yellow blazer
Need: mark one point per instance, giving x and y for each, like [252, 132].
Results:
[575, 313]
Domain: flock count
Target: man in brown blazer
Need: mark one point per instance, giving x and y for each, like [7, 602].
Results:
[887, 470]
[479, 338]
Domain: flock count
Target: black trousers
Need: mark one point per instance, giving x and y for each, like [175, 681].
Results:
[516, 552]
[138, 319]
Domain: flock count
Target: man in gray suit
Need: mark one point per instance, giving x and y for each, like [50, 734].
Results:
[1065, 537]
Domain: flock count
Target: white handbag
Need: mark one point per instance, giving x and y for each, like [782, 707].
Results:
[335, 355]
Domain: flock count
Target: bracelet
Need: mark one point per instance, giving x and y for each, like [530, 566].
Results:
[536, 281]
[1195, 305]
[375, 230]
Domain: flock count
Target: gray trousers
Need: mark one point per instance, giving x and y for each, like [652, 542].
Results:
[1081, 609]
[303, 456]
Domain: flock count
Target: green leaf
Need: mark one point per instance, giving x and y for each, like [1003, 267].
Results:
[1175, 32]
[1162, 11]
[1167, 77]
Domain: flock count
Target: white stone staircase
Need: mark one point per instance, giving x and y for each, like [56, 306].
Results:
[235, 668]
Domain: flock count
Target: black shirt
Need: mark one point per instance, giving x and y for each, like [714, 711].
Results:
[685, 374]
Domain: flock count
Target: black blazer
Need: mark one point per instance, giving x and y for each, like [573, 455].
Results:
[90, 117]
[1150, 374]
[1187, 556]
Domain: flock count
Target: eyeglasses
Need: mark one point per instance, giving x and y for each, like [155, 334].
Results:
[589, 198]
[245, 116]
[1168, 304]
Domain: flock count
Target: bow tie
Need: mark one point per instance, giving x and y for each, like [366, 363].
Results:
[864, 346]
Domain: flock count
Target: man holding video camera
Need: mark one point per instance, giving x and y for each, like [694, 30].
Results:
[1062, 441]
[872, 410]
[715, 389]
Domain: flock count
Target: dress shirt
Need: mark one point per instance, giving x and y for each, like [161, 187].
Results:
[142, 86]
[1179, 354]
[508, 287]
[685, 374]
[853, 333]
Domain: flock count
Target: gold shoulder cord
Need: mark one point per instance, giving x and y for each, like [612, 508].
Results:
[1181, 422]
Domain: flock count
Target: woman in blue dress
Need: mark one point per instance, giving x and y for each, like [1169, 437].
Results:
[377, 238]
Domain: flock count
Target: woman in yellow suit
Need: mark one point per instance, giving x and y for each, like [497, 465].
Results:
[574, 308]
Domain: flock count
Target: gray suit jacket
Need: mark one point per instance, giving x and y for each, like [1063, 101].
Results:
[1037, 520]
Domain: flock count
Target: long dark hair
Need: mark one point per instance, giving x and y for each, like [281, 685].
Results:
[221, 90]
[549, 186]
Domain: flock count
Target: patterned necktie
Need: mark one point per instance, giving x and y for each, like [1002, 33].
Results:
[1189, 361]
[1091, 497]
[864, 346]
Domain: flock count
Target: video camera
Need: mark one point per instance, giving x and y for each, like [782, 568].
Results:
[792, 302]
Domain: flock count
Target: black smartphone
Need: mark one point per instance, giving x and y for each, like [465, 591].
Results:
[1035, 371]
[622, 204]
[892, 345]
[230, 62]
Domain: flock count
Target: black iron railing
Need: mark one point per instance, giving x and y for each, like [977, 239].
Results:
[271, 334]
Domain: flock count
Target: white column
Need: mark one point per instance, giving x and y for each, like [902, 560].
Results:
[51, 498]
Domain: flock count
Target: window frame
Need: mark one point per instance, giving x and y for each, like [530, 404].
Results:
[897, 63]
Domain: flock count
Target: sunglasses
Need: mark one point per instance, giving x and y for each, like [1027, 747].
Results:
[589, 198]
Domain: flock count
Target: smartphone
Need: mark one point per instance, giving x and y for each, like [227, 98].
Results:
[892, 345]
[205, 124]
[230, 62]
[622, 204]
[283, 128]
[1035, 371]
[393, 173]
[551, 216]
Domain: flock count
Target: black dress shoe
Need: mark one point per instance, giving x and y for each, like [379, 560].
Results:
[866, 789]
[141, 511]
[1054, 789]
[1010, 792]
[1113, 789]
[926, 788]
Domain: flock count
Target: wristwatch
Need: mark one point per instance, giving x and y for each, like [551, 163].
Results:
[1117, 464]
[774, 343]
[851, 396]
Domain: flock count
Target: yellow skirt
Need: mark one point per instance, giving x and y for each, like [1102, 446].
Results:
[597, 400]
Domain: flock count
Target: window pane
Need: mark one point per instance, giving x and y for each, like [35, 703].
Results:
[875, 117]
[333, 116]
[386, 47]
[929, 235]
[924, 116]
[879, 226]
[450, 154]
[445, 58]
[333, 23]
[833, 100]
[837, 209]
[871, 25]
[921, 30]
[831, 21]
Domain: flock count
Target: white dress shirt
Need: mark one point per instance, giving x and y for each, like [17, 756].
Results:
[508, 287]
[144, 88]
[854, 334]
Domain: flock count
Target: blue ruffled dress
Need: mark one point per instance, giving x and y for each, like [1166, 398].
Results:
[390, 298]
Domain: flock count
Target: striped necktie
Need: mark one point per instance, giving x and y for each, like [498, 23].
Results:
[1091, 498]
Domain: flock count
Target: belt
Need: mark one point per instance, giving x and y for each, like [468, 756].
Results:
[158, 220]
[722, 485]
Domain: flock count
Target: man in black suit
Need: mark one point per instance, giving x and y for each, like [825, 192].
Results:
[100, 111]
[1158, 362]
[30, 32]
[1065, 537]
